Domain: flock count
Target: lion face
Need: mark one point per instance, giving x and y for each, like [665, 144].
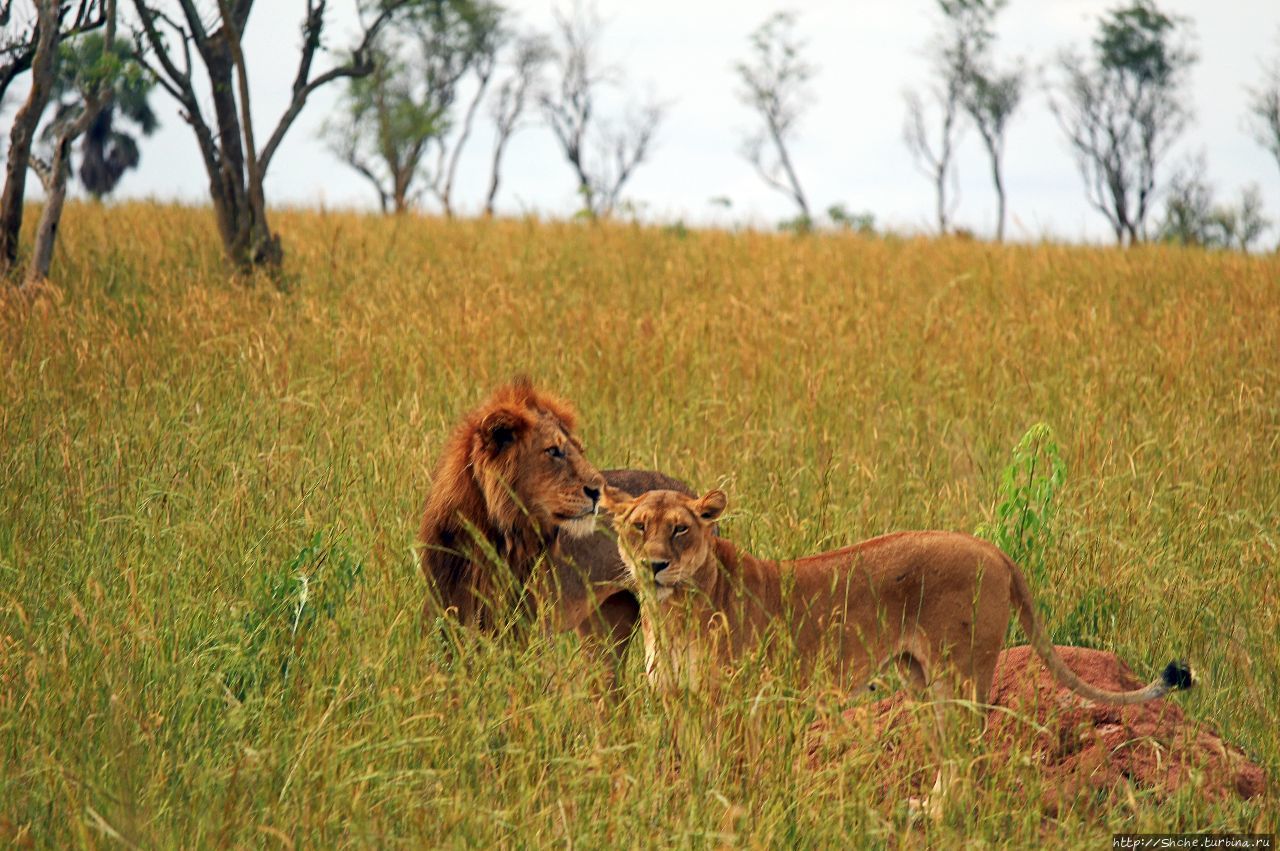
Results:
[531, 468]
[664, 536]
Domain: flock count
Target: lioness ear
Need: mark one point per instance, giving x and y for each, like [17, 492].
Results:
[711, 505]
[501, 428]
[616, 501]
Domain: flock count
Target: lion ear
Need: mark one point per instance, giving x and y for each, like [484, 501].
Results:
[711, 505]
[616, 501]
[501, 428]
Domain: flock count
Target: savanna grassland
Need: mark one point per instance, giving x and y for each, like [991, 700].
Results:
[211, 625]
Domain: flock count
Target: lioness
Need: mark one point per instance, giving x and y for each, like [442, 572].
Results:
[513, 489]
[935, 604]
[920, 600]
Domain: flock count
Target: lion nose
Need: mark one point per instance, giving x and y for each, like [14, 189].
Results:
[593, 494]
[658, 566]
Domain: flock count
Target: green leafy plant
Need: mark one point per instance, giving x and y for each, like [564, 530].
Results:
[286, 608]
[1023, 524]
[1024, 527]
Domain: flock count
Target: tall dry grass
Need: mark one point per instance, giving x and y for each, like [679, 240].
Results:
[176, 449]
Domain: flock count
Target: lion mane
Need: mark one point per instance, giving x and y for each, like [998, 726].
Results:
[472, 518]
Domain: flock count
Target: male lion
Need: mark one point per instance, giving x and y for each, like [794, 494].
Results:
[935, 604]
[513, 488]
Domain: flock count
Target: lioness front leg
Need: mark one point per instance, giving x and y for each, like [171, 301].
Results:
[608, 630]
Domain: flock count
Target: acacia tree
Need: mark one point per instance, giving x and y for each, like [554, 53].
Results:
[172, 44]
[603, 156]
[32, 45]
[529, 54]
[1264, 110]
[108, 148]
[1123, 109]
[392, 118]
[775, 84]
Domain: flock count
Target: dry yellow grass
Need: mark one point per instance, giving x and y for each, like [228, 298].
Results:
[171, 444]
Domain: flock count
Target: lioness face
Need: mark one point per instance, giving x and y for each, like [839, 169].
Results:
[664, 536]
[535, 461]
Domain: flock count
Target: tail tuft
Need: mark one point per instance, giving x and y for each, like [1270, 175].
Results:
[1177, 675]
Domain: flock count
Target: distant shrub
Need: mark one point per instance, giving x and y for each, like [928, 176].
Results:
[678, 229]
[864, 222]
[800, 225]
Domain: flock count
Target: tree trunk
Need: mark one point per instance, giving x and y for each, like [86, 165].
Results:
[494, 176]
[240, 208]
[796, 192]
[998, 180]
[446, 195]
[400, 180]
[50, 217]
[55, 176]
[23, 134]
[940, 185]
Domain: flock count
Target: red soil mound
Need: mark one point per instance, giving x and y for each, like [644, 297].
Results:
[1080, 747]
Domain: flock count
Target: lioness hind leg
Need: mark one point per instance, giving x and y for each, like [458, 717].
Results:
[940, 688]
[941, 694]
[913, 671]
[912, 662]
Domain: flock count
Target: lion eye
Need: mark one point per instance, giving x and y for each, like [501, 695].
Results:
[555, 451]
[678, 531]
[639, 527]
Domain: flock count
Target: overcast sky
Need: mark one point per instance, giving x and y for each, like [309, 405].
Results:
[850, 147]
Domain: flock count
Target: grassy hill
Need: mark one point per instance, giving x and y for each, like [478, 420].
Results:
[177, 449]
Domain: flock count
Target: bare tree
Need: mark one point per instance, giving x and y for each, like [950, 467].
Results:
[775, 84]
[507, 106]
[990, 100]
[1244, 224]
[603, 156]
[95, 83]
[989, 95]
[33, 46]
[488, 36]
[1193, 217]
[236, 166]
[959, 51]
[390, 120]
[1264, 110]
[1123, 110]
[934, 159]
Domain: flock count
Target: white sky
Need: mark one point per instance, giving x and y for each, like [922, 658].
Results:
[850, 148]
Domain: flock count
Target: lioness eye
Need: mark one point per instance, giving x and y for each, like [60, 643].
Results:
[678, 531]
[639, 527]
[555, 451]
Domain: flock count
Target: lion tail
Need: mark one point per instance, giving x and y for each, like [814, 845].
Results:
[1176, 676]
